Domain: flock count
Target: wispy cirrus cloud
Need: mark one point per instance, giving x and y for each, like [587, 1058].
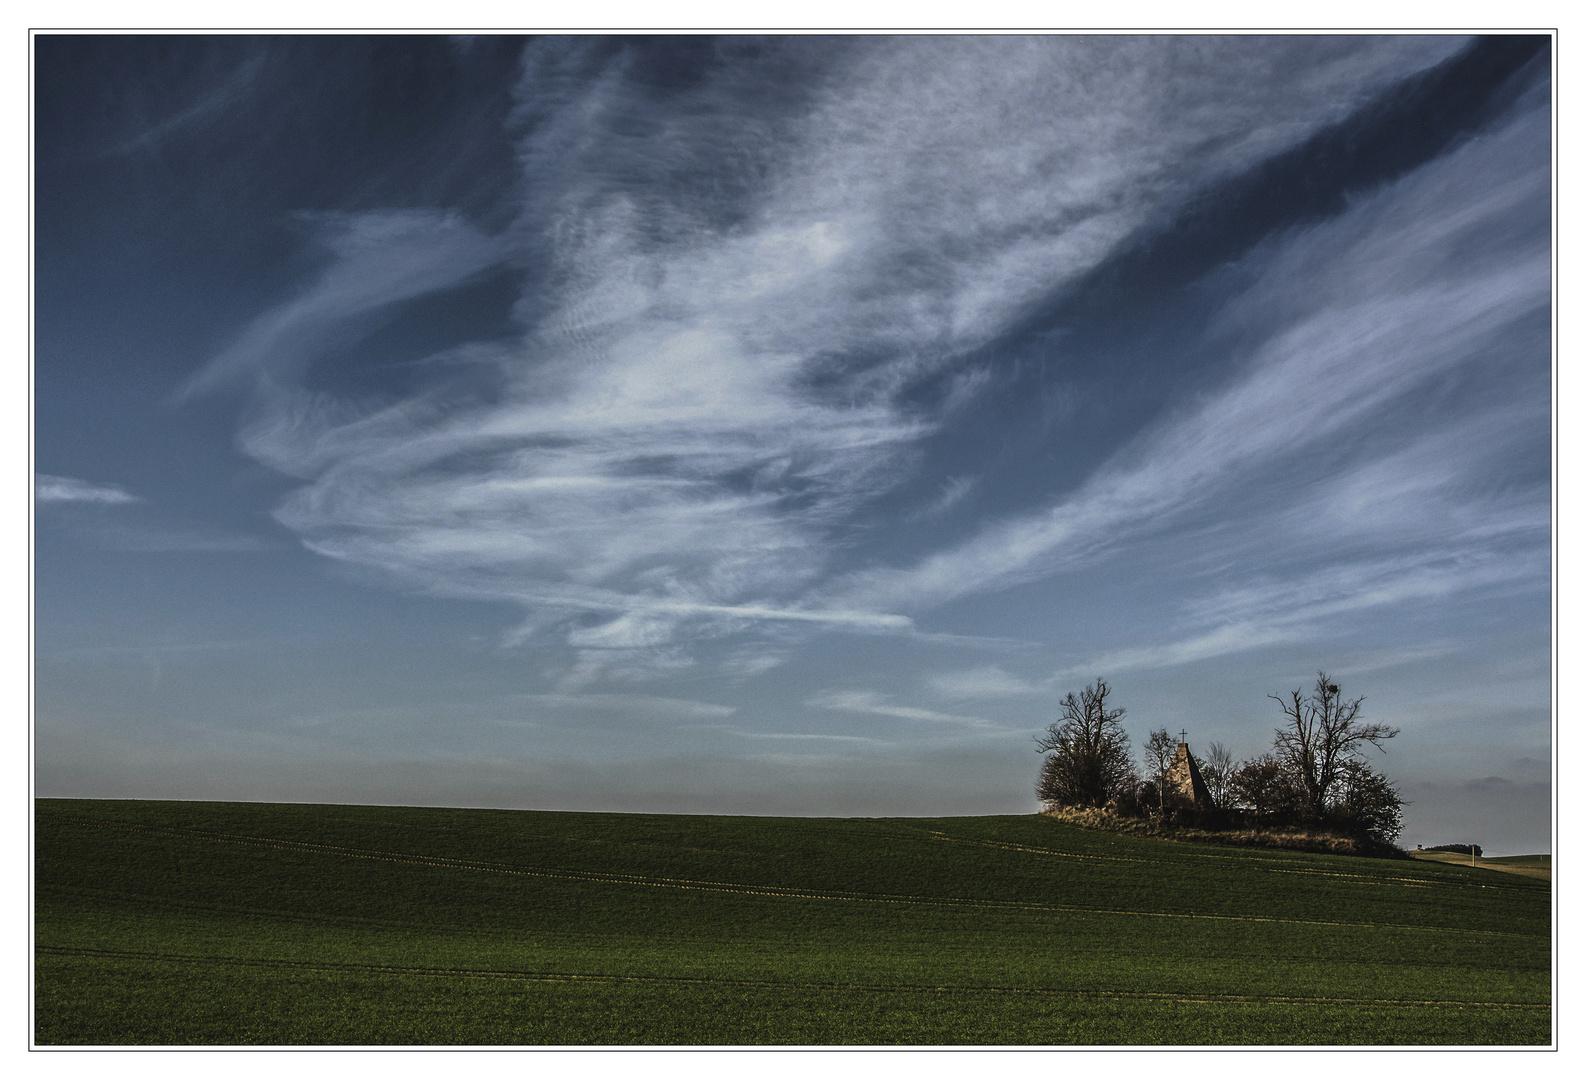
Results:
[870, 703]
[986, 681]
[206, 110]
[1468, 482]
[709, 387]
[1273, 613]
[1355, 585]
[1351, 318]
[632, 706]
[1308, 604]
[378, 260]
[953, 491]
[66, 489]
[804, 736]
[139, 527]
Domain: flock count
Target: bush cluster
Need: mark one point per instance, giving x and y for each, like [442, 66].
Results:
[1462, 849]
[1314, 777]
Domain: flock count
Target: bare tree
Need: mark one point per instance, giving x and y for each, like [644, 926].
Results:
[1323, 734]
[1218, 772]
[1088, 757]
[1159, 751]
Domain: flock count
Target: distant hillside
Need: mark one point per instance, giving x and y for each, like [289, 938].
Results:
[228, 923]
[1539, 867]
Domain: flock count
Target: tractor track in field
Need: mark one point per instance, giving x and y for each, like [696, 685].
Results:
[1257, 865]
[732, 888]
[331, 967]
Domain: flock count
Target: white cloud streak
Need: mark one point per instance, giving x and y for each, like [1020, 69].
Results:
[152, 533]
[954, 491]
[1303, 607]
[1448, 488]
[201, 113]
[65, 489]
[379, 260]
[1403, 289]
[629, 706]
[978, 175]
[986, 681]
[697, 410]
[869, 703]
[804, 736]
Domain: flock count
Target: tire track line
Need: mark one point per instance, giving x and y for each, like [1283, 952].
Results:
[768, 984]
[1255, 864]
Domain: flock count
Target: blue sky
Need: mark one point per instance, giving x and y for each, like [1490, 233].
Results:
[783, 425]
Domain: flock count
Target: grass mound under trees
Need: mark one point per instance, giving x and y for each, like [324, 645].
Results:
[225, 923]
[1225, 829]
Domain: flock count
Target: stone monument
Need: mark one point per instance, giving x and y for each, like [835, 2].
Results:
[1184, 783]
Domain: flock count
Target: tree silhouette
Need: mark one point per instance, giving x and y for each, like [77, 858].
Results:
[1088, 760]
[1159, 751]
[1324, 734]
[1218, 772]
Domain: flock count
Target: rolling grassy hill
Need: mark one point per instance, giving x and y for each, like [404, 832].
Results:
[1531, 866]
[233, 923]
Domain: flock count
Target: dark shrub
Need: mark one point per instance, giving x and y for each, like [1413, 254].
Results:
[1463, 849]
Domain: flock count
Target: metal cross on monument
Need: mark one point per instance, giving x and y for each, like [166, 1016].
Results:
[1181, 734]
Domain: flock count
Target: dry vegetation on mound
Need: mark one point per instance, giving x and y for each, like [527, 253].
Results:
[1287, 838]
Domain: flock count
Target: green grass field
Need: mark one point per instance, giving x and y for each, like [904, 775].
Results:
[233, 923]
